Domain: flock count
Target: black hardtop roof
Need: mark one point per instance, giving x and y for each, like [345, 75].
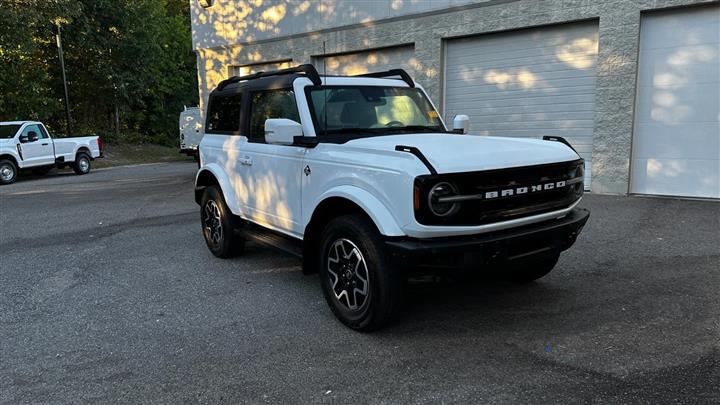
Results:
[282, 79]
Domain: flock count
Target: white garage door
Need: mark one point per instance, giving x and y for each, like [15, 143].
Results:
[378, 60]
[259, 67]
[527, 83]
[676, 146]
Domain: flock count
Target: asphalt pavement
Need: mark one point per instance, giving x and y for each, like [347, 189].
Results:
[109, 295]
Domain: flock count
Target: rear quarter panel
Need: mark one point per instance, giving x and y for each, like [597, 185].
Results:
[219, 155]
[68, 147]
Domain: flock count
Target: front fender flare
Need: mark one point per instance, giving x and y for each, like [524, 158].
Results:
[385, 222]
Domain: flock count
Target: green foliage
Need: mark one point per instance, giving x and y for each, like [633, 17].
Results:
[133, 56]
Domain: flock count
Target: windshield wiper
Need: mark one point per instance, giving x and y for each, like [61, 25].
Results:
[415, 128]
[340, 131]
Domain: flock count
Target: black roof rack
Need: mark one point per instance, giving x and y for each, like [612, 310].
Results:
[308, 69]
[392, 72]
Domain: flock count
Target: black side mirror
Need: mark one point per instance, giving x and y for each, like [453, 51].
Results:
[23, 138]
[32, 136]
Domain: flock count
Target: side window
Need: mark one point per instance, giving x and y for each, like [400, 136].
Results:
[34, 128]
[43, 132]
[224, 114]
[271, 104]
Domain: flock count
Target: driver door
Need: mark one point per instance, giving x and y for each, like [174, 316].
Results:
[273, 172]
[37, 152]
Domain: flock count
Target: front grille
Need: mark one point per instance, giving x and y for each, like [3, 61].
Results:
[500, 195]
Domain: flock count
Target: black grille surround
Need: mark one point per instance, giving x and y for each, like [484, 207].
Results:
[490, 196]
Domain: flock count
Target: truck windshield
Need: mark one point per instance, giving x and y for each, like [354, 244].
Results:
[8, 131]
[371, 110]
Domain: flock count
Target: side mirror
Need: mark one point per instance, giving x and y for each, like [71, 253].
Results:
[23, 138]
[461, 124]
[282, 131]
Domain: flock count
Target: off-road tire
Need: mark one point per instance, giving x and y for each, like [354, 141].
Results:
[385, 284]
[82, 164]
[531, 270]
[220, 227]
[8, 171]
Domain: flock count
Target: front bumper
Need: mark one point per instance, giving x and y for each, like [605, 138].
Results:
[510, 245]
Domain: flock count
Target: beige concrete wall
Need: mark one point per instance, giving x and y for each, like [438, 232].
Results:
[619, 27]
[229, 22]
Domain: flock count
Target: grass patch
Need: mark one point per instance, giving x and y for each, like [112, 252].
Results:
[132, 154]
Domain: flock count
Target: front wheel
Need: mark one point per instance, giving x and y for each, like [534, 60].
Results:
[358, 282]
[82, 163]
[218, 225]
[8, 171]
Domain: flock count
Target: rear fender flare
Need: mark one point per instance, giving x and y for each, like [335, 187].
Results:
[226, 187]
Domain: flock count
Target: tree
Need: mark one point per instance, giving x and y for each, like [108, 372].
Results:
[129, 56]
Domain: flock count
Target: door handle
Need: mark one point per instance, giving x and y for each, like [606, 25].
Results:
[247, 161]
[45, 144]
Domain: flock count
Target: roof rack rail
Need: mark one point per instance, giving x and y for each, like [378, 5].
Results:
[392, 72]
[307, 68]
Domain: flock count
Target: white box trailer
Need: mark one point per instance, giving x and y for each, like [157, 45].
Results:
[191, 130]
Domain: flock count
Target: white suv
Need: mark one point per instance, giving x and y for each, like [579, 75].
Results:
[360, 177]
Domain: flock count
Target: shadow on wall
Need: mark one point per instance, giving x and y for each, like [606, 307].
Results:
[508, 89]
[231, 22]
[676, 145]
[221, 33]
[228, 22]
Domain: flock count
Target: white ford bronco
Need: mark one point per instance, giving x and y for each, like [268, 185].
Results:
[360, 177]
[27, 145]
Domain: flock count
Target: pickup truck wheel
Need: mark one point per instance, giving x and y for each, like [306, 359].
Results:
[529, 271]
[8, 171]
[359, 285]
[82, 163]
[219, 228]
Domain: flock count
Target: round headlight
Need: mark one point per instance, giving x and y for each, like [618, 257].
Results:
[442, 209]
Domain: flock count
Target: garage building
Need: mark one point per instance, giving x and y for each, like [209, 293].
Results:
[633, 85]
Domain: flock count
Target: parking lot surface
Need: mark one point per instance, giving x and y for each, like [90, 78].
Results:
[109, 294]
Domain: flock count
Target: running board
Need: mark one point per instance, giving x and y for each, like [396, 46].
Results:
[272, 239]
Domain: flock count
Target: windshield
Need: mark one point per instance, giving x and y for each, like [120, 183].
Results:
[372, 110]
[8, 131]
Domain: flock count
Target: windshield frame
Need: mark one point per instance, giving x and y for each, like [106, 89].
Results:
[353, 133]
[17, 130]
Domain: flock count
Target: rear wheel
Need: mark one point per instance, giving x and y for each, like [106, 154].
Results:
[82, 163]
[8, 171]
[219, 226]
[531, 270]
[358, 282]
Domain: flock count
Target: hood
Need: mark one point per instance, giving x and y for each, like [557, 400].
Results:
[453, 153]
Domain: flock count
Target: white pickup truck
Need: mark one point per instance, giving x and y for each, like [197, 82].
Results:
[360, 176]
[27, 145]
